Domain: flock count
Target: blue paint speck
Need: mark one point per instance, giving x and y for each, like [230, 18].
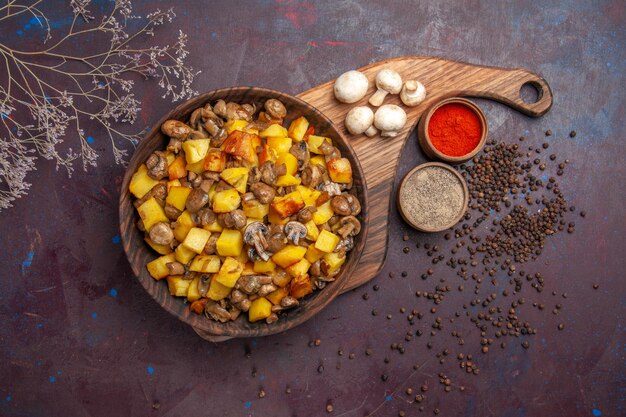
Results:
[59, 372]
[5, 115]
[262, 378]
[248, 404]
[89, 140]
[19, 32]
[150, 370]
[34, 20]
[39, 325]
[27, 26]
[596, 413]
[113, 292]
[26, 263]
[116, 239]
[94, 315]
[388, 398]
[8, 398]
[52, 379]
[253, 343]
[214, 34]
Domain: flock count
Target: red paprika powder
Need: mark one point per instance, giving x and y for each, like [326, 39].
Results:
[454, 129]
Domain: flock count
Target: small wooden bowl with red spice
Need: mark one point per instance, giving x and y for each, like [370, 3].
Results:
[452, 130]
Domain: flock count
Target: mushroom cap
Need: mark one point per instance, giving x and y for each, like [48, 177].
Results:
[413, 92]
[359, 119]
[389, 117]
[294, 231]
[252, 229]
[389, 80]
[351, 86]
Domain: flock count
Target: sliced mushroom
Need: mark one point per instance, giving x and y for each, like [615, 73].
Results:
[340, 205]
[295, 231]
[301, 151]
[289, 302]
[268, 173]
[204, 216]
[203, 284]
[272, 318]
[237, 296]
[234, 313]
[216, 312]
[211, 245]
[251, 284]
[175, 268]
[350, 226]
[255, 235]
[172, 212]
[306, 214]
[311, 176]
[233, 220]
[263, 192]
[275, 109]
[266, 289]
[196, 200]
[157, 165]
[194, 179]
[161, 234]
[345, 245]
[315, 269]
[276, 242]
[159, 192]
[332, 188]
[219, 108]
[244, 305]
[235, 111]
[175, 129]
[330, 152]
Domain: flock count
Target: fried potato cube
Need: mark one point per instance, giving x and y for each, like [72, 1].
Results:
[178, 286]
[184, 223]
[264, 267]
[215, 160]
[288, 205]
[151, 213]
[229, 273]
[141, 183]
[279, 144]
[334, 261]
[196, 239]
[290, 161]
[323, 213]
[237, 177]
[326, 241]
[318, 160]
[217, 291]
[207, 264]
[255, 209]
[177, 168]
[260, 309]
[287, 181]
[196, 149]
[281, 278]
[274, 218]
[177, 197]
[299, 268]
[226, 200]
[340, 170]
[173, 183]
[235, 124]
[184, 254]
[229, 243]
[160, 249]
[158, 267]
[267, 154]
[312, 232]
[298, 128]
[312, 255]
[288, 255]
[274, 130]
[193, 294]
[300, 286]
[309, 195]
[241, 145]
[315, 142]
[196, 167]
[276, 296]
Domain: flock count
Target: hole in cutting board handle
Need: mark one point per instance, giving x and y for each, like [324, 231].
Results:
[531, 92]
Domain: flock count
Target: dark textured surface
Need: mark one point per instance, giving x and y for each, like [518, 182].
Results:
[80, 337]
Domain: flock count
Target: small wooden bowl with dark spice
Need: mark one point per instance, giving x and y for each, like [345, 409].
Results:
[432, 197]
[452, 130]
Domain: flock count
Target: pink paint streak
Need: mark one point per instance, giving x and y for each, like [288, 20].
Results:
[300, 14]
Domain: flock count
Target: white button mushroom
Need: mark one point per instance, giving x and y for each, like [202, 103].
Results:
[388, 82]
[413, 93]
[359, 120]
[351, 87]
[389, 119]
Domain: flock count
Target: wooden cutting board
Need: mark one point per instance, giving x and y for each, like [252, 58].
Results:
[379, 156]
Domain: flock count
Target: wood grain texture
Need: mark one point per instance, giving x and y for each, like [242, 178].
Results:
[139, 253]
[379, 156]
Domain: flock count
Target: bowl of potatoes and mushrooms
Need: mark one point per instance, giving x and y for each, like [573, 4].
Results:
[243, 212]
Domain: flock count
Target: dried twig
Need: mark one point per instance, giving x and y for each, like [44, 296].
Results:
[37, 114]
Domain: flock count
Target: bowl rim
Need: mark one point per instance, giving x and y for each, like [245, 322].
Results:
[210, 326]
[447, 225]
[424, 137]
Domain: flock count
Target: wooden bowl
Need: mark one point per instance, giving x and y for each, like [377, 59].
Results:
[139, 253]
[424, 138]
[421, 227]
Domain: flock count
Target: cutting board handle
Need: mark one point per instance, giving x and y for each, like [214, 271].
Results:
[379, 157]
